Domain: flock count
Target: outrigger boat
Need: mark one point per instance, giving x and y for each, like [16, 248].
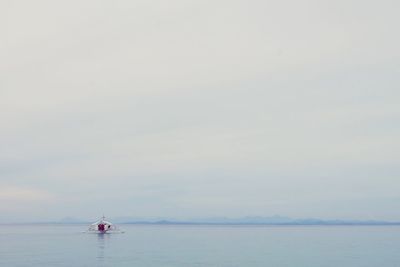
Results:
[103, 227]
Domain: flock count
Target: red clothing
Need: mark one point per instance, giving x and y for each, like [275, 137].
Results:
[100, 227]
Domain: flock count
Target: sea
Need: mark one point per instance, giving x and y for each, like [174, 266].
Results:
[201, 245]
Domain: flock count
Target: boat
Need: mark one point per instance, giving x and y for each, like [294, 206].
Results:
[103, 227]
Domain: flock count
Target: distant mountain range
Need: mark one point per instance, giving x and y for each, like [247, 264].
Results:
[250, 220]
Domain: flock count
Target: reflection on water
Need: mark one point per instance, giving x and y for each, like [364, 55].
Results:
[102, 242]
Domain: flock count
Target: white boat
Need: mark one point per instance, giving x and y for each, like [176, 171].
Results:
[103, 227]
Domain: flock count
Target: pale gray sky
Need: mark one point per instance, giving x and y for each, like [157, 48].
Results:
[199, 108]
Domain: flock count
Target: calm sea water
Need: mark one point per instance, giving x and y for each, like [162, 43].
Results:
[151, 245]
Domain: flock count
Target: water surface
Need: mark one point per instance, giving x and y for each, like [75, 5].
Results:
[186, 246]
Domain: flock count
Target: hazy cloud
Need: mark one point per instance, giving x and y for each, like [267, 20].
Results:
[200, 108]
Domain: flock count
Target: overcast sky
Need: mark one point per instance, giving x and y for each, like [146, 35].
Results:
[199, 108]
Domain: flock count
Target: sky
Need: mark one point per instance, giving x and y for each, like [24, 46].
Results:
[188, 109]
